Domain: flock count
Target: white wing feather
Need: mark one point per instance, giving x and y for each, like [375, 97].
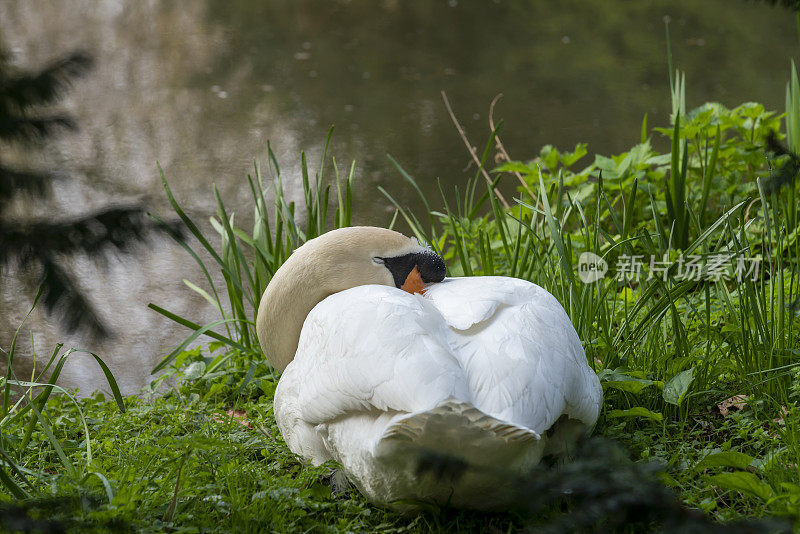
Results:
[521, 355]
[366, 349]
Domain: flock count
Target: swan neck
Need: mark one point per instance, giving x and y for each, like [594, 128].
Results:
[291, 295]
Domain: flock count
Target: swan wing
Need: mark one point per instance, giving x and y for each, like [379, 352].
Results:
[369, 349]
[521, 356]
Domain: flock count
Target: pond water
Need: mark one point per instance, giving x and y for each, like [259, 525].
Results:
[199, 87]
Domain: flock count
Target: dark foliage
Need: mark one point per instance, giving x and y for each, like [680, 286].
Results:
[39, 247]
[55, 516]
[603, 490]
[22, 92]
[794, 5]
[111, 228]
[787, 164]
[40, 244]
[14, 181]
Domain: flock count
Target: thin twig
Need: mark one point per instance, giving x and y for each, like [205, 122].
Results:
[472, 152]
[171, 510]
[502, 149]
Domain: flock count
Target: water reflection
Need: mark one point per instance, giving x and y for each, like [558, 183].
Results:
[200, 87]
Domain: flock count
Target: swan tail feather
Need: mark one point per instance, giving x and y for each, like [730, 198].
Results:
[412, 427]
[459, 430]
[453, 454]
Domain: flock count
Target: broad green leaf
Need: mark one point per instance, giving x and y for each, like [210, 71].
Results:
[735, 459]
[634, 385]
[550, 156]
[194, 370]
[569, 158]
[515, 166]
[623, 382]
[607, 165]
[319, 492]
[744, 482]
[792, 489]
[675, 390]
[636, 411]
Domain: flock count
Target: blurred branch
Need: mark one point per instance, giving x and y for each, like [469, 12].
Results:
[39, 247]
[14, 128]
[19, 92]
[60, 293]
[13, 181]
[116, 227]
[36, 246]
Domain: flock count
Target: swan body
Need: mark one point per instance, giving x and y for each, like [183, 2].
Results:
[482, 374]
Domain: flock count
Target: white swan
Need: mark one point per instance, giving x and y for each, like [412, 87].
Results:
[486, 374]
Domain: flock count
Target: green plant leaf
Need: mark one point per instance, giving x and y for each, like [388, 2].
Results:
[744, 482]
[6, 481]
[677, 387]
[623, 382]
[194, 370]
[735, 459]
[637, 411]
[629, 386]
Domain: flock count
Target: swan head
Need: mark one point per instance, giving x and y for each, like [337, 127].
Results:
[361, 255]
[335, 261]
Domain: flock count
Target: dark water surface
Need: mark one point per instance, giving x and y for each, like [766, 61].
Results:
[201, 86]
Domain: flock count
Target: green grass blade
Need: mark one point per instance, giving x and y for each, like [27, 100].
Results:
[413, 183]
[708, 175]
[10, 485]
[10, 357]
[194, 326]
[643, 136]
[555, 233]
[206, 329]
[178, 239]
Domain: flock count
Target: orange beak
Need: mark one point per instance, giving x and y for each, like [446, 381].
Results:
[414, 283]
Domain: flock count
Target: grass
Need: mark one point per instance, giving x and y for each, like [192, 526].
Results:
[670, 344]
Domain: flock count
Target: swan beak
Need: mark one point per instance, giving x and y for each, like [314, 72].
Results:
[414, 283]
